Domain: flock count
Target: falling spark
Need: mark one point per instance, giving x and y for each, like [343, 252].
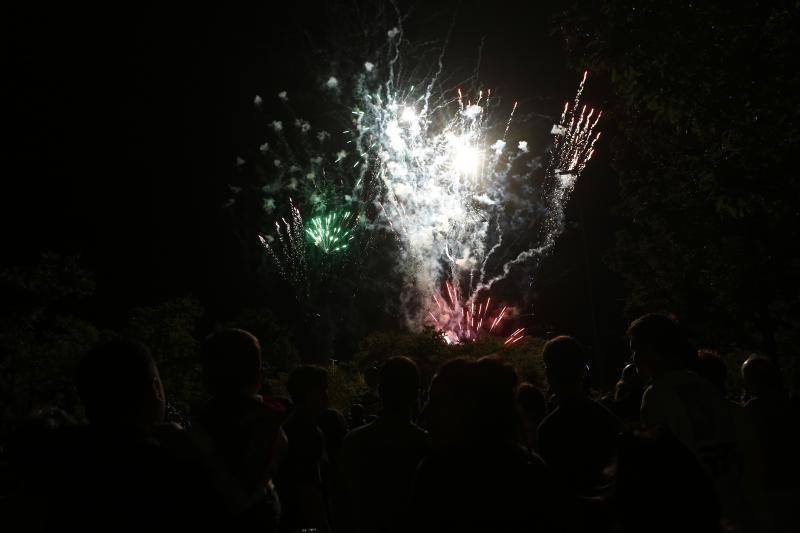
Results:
[291, 264]
[464, 321]
[514, 337]
[574, 139]
[498, 319]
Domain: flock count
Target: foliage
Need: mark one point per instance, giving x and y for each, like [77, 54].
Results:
[40, 339]
[526, 356]
[426, 348]
[169, 329]
[278, 350]
[704, 97]
[347, 385]
[430, 351]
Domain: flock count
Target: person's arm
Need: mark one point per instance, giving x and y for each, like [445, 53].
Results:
[279, 449]
[545, 445]
[651, 412]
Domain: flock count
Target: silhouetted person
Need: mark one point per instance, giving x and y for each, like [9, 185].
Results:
[661, 487]
[713, 369]
[379, 460]
[333, 425]
[534, 408]
[334, 428]
[479, 476]
[239, 431]
[24, 465]
[120, 387]
[300, 482]
[775, 430]
[628, 396]
[578, 439]
[116, 474]
[358, 416]
[687, 405]
[763, 383]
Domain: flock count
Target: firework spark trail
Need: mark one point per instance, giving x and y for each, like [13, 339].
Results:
[492, 250]
[461, 321]
[498, 319]
[272, 256]
[440, 66]
[510, 118]
[573, 147]
[514, 337]
[291, 237]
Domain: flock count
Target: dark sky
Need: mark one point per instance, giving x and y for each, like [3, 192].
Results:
[124, 124]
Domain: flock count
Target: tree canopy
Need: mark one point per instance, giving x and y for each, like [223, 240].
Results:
[704, 101]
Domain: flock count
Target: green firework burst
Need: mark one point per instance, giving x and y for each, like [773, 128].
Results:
[332, 232]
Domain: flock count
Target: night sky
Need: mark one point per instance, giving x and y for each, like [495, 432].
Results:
[125, 124]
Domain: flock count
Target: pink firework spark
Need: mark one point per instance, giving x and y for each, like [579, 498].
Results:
[465, 321]
[514, 337]
[575, 136]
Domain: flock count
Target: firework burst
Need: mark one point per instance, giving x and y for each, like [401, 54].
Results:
[464, 321]
[332, 232]
[437, 161]
[435, 167]
[574, 139]
[573, 147]
[289, 255]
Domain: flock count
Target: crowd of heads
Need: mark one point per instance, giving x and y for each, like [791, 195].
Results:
[475, 448]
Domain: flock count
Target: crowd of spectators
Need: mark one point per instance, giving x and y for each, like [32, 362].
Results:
[474, 450]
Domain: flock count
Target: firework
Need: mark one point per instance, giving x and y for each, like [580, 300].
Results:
[444, 165]
[460, 321]
[290, 257]
[439, 167]
[574, 139]
[514, 337]
[332, 232]
[435, 163]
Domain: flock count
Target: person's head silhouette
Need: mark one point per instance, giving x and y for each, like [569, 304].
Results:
[232, 363]
[565, 367]
[398, 386]
[532, 403]
[308, 388]
[762, 378]
[120, 386]
[658, 345]
[713, 369]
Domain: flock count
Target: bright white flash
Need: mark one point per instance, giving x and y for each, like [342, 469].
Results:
[437, 171]
[498, 146]
[466, 159]
[409, 116]
[472, 111]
